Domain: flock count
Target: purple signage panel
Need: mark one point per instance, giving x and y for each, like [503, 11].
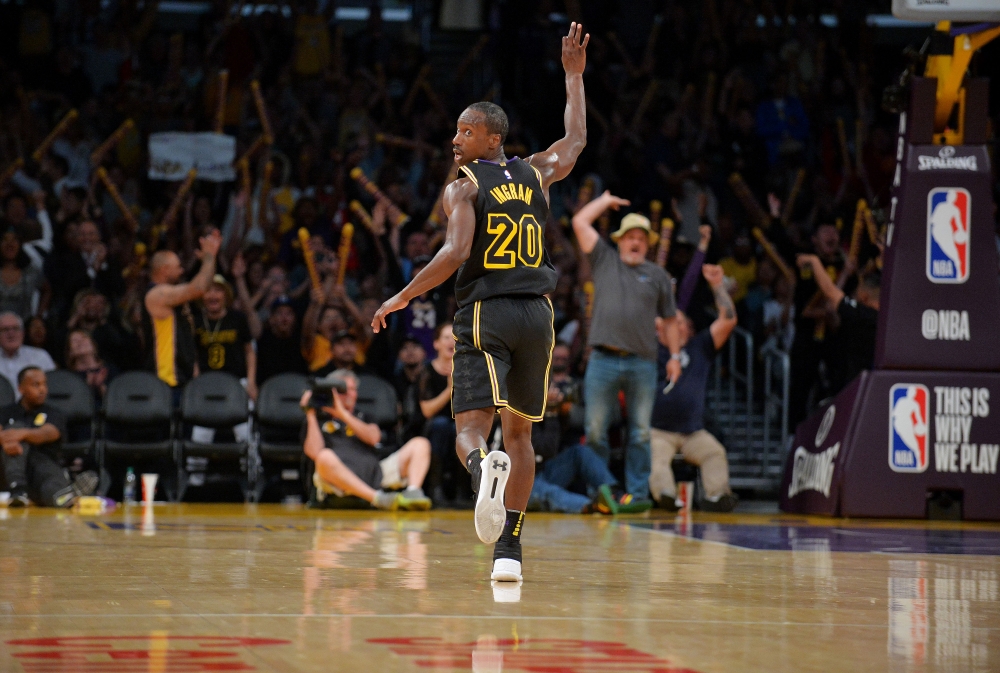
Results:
[922, 431]
[940, 303]
[814, 466]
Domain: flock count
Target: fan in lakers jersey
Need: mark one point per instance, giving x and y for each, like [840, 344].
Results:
[503, 329]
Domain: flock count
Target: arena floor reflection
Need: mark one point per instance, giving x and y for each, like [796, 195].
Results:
[181, 588]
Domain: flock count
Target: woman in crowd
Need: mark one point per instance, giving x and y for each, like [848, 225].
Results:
[23, 288]
[82, 357]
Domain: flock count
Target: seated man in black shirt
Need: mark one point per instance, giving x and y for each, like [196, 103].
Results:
[346, 452]
[31, 438]
[678, 415]
[858, 316]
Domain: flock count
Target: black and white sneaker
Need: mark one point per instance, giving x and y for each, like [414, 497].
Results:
[85, 483]
[18, 499]
[490, 511]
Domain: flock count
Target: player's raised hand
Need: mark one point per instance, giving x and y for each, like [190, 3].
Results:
[574, 50]
[393, 304]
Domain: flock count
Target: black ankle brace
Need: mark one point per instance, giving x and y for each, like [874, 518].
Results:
[512, 527]
[509, 544]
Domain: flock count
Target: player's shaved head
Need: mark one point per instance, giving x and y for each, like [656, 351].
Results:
[165, 267]
[494, 118]
[160, 260]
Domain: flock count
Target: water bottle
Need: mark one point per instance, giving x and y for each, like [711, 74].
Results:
[129, 494]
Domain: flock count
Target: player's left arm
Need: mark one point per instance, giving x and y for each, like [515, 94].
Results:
[555, 163]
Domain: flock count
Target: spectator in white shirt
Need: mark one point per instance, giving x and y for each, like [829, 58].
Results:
[14, 355]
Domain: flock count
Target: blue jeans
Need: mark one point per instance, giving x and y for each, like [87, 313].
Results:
[606, 375]
[441, 433]
[556, 474]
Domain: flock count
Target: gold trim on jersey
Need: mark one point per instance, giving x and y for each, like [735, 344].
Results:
[472, 176]
[538, 174]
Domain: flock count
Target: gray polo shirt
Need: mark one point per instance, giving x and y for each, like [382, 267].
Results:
[627, 300]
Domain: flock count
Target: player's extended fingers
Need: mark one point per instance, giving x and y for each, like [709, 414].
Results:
[572, 30]
[586, 41]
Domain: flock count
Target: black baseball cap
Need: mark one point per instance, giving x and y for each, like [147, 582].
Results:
[343, 334]
[410, 338]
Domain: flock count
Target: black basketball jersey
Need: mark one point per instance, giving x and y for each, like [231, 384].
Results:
[508, 255]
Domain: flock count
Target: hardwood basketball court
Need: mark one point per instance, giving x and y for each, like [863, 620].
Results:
[271, 588]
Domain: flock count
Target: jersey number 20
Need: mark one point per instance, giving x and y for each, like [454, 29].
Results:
[513, 242]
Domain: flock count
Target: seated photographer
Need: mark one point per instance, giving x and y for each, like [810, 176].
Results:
[678, 414]
[346, 450]
[31, 439]
[563, 461]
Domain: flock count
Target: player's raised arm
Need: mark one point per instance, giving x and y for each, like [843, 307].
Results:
[583, 221]
[556, 162]
[459, 200]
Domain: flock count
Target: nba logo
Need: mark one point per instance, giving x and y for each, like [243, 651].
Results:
[948, 235]
[908, 450]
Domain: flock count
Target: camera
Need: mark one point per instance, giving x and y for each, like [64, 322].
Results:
[321, 388]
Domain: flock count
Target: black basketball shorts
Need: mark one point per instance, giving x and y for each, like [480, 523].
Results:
[503, 355]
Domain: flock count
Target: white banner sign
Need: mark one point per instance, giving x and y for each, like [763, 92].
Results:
[172, 154]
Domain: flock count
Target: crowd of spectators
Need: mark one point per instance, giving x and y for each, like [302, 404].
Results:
[681, 96]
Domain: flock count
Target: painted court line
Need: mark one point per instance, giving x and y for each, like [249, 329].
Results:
[340, 615]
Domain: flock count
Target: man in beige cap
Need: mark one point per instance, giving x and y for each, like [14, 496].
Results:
[633, 304]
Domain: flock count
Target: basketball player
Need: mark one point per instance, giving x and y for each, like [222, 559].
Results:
[496, 211]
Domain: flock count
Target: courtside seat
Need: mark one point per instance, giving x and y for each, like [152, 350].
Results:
[7, 395]
[71, 395]
[213, 407]
[138, 417]
[279, 417]
[377, 401]
[138, 429]
[215, 401]
[279, 432]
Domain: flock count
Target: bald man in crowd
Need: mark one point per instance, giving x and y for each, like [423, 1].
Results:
[168, 333]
